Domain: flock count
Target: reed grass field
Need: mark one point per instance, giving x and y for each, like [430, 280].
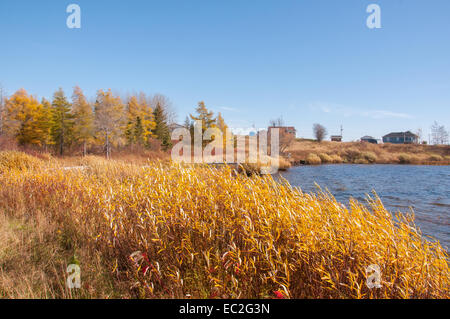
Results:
[165, 230]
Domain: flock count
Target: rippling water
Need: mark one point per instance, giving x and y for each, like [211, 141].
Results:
[426, 189]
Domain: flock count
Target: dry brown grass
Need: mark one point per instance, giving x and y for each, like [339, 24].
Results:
[366, 153]
[166, 230]
[313, 159]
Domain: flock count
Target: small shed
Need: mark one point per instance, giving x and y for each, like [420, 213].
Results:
[336, 138]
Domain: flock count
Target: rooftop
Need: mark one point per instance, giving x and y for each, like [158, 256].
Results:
[400, 134]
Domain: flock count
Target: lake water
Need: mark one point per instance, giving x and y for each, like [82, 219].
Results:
[426, 189]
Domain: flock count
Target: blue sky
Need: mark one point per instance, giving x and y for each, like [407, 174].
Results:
[305, 60]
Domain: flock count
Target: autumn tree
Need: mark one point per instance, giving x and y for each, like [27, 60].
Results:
[140, 121]
[2, 108]
[223, 127]
[46, 123]
[108, 119]
[206, 118]
[320, 132]
[62, 130]
[23, 118]
[83, 129]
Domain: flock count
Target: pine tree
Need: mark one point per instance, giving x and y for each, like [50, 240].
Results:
[109, 119]
[139, 132]
[83, 119]
[187, 122]
[161, 130]
[62, 130]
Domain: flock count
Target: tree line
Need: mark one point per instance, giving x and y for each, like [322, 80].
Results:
[109, 121]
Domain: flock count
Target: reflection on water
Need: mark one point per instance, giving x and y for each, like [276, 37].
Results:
[425, 189]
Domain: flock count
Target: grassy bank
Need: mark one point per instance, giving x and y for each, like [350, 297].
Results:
[314, 153]
[168, 231]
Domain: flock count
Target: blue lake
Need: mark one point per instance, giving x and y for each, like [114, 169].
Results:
[425, 189]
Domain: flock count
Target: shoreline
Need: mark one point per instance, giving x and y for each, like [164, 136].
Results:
[447, 163]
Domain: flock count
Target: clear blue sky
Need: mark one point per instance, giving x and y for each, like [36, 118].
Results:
[307, 60]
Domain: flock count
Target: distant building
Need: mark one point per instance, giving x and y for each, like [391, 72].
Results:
[283, 130]
[284, 133]
[401, 138]
[336, 138]
[173, 126]
[369, 139]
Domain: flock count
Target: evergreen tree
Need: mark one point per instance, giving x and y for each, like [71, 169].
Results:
[161, 130]
[62, 130]
[187, 122]
[139, 132]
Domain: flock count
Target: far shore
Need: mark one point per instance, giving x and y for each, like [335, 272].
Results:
[308, 152]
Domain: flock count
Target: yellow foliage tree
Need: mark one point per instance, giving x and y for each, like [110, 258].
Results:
[83, 118]
[140, 120]
[27, 119]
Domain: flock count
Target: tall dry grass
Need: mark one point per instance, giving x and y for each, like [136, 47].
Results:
[169, 231]
[366, 153]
